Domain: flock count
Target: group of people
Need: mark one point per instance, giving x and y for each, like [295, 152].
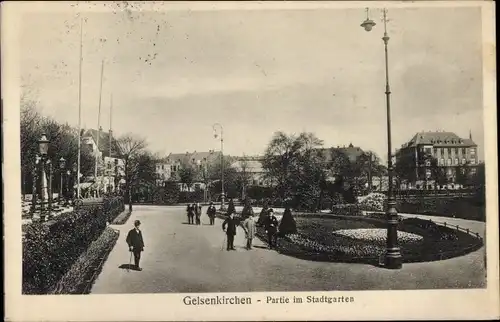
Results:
[194, 212]
[267, 219]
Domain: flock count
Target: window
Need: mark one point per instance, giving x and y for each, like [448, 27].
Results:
[441, 161]
[449, 151]
[456, 151]
[456, 161]
[472, 151]
[436, 151]
[463, 151]
[473, 171]
[464, 161]
[448, 161]
[428, 150]
[472, 161]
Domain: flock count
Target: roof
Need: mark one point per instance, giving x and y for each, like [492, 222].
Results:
[103, 141]
[437, 138]
[187, 157]
[352, 152]
[249, 165]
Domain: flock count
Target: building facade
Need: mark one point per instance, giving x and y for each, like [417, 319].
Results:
[109, 164]
[444, 150]
[169, 167]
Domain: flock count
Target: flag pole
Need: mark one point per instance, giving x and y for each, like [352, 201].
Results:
[110, 136]
[98, 124]
[79, 111]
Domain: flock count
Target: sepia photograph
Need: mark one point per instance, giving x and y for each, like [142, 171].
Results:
[224, 152]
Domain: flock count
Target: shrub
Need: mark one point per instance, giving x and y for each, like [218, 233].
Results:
[466, 208]
[113, 206]
[82, 273]
[346, 210]
[50, 248]
[373, 202]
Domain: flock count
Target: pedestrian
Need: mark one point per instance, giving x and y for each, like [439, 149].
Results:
[136, 243]
[249, 228]
[271, 225]
[247, 210]
[231, 208]
[211, 212]
[230, 230]
[263, 215]
[190, 214]
[197, 211]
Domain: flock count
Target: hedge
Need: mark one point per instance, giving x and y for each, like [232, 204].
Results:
[83, 272]
[465, 208]
[113, 206]
[50, 248]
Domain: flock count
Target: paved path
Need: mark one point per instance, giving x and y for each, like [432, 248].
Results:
[186, 258]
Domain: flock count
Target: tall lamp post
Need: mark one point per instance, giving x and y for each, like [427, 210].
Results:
[392, 259]
[43, 148]
[221, 160]
[62, 166]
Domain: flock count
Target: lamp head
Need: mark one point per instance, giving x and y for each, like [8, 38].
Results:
[368, 24]
[43, 145]
[62, 162]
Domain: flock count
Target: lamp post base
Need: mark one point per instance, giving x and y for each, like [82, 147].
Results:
[393, 261]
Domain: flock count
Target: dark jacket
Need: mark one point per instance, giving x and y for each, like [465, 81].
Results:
[134, 239]
[231, 224]
[190, 210]
[271, 224]
[211, 211]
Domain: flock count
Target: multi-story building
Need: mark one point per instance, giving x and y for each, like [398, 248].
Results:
[168, 168]
[98, 143]
[449, 151]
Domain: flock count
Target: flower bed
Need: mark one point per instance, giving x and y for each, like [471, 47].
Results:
[362, 239]
[122, 218]
[82, 273]
[378, 235]
[346, 210]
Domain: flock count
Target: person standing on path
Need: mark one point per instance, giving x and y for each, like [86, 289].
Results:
[136, 243]
[197, 211]
[190, 214]
[211, 211]
[271, 225]
[249, 228]
[231, 224]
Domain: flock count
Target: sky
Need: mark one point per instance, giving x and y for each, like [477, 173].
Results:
[173, 74]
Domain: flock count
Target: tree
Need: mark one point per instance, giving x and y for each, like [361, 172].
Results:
[187, 175]
[132, 150]
[213, 175]
[243, 178]
[296, 166]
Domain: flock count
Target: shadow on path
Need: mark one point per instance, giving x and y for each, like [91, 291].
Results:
[128, 266]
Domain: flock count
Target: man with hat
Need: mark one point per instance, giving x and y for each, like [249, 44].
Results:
[136, 243]
[271, 225]
[230, 231]
[211, 211]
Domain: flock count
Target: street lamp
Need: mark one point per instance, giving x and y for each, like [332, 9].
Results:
[62, 165]
[221, 160]
[43, 148]
[393, 259]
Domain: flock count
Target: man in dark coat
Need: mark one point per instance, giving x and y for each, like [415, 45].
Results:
[211, 211]
[136, 243]
[271, 225]
[190, 214]
[197, 211]
[231, 224]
